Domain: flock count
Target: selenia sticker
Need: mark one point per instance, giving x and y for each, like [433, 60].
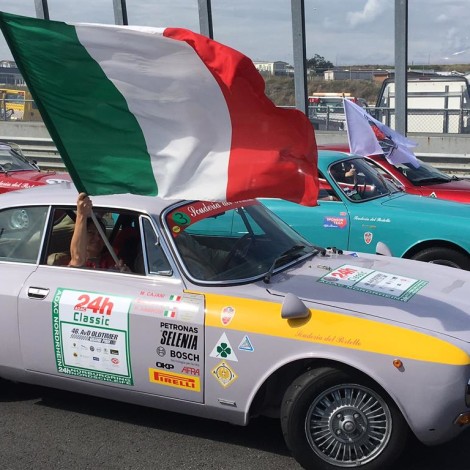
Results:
[374, 282]
[91, 335]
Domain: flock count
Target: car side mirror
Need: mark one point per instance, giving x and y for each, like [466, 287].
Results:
[293, 308]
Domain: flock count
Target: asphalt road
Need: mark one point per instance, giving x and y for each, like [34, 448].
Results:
[46, 429]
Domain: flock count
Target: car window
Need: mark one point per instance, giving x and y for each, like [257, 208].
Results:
[423, 175]
[21, 232]
[359, 181]
[325, 191]
[230, 241]
[12, 160]
[385, 174]
[157, 261]
[122, 232]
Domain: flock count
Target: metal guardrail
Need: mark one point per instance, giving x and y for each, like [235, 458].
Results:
[45, 154]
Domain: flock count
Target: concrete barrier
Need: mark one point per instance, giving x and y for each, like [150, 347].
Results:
[449, 152]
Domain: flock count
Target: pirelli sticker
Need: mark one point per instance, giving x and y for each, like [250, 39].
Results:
[171, 379]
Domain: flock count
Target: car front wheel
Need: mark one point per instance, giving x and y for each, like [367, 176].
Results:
[332, 420]
[444, 256]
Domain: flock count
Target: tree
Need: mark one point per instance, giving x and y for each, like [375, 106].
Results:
[319, 64]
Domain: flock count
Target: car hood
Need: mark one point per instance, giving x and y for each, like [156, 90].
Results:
[455, 190]
[26, 178]
[436, 298]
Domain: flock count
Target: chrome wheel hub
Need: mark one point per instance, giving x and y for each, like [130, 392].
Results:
[348, 425]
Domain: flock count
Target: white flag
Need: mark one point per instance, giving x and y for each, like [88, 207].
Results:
[367, 136]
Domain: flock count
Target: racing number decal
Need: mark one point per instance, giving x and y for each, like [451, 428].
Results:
[343, 273]
[99, 304]
[180, 218]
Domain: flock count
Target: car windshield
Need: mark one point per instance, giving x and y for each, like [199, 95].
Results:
[360, 181]
[232, 242]
[423, 175]
[12, 160]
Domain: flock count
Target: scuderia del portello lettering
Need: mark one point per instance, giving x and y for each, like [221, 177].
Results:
[179, 336]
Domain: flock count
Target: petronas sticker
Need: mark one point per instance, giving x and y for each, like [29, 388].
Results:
[246, 345]
[224, 374]
[223, 349]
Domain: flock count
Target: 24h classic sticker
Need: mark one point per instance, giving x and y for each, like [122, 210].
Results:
[388, 285]
[91, 335]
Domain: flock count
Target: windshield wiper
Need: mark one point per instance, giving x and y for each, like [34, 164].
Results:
[432, 179]
[292, 253]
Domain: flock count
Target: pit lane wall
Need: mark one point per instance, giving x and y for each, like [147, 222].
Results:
[448, 152]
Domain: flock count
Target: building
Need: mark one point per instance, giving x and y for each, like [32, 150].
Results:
[273, 68]
[9, 74]
[375, 75]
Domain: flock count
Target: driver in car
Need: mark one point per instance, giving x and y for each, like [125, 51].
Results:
[344, 173]
[87, 248]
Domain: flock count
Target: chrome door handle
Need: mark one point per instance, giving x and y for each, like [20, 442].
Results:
[37, 292]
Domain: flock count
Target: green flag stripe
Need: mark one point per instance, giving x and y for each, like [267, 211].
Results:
[110, 151]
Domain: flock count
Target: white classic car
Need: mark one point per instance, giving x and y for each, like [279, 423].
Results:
[226, 312]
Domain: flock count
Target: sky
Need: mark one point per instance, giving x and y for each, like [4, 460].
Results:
[344, 32]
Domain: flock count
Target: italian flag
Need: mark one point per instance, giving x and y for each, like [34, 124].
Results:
[164, 112]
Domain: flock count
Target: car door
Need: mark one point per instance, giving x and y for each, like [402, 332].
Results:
[21, 232]
[326, 224]
[371, 223]
[140, 332]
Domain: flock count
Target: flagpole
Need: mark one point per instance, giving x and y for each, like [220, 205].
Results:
[105, 238]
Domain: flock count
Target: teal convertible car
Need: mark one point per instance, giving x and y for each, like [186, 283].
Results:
[359, 207]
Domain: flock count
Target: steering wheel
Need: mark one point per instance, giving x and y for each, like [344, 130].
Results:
[360, 189]
[239, 249]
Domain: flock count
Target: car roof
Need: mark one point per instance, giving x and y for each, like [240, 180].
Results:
[327, 157]
[66, 194]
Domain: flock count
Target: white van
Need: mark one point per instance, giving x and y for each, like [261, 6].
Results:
[326, 110]
[436, 104]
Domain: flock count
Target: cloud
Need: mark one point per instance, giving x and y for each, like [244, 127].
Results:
[372, 9]
[442, 18]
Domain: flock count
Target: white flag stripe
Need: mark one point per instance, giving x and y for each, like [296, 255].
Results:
[361, 137]
[193, 137]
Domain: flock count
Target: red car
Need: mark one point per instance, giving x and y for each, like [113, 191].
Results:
[17, 172]
[424, 181]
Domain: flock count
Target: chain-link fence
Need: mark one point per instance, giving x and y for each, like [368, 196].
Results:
[435, 121]
[423, 121]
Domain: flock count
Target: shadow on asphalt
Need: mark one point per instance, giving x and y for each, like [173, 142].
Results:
[262, 433]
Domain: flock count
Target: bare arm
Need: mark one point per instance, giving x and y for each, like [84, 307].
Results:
[78, 245]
